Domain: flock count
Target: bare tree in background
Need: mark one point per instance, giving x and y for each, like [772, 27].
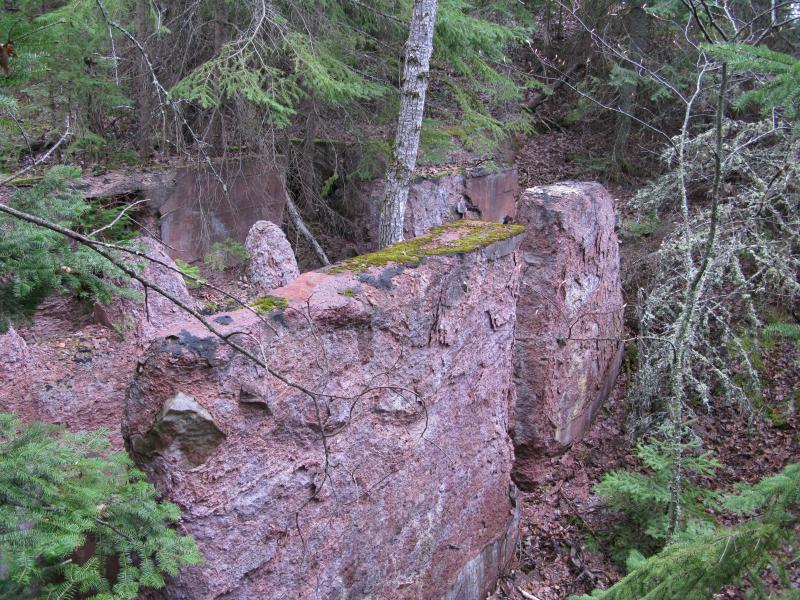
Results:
[636, 24]
[143, 91]
[413, 86]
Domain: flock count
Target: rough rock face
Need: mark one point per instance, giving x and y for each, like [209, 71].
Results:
[569, 318]
[183, 431]
[389, 476]
[196, 210]
[438, 199]
[493, 194]
[159, 312]
[191, 206]
[272, 261]
[14, 355]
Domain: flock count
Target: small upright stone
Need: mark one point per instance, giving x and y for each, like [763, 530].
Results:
[14, 354]
[272, 261]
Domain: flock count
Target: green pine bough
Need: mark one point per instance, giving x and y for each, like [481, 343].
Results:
[36, 262]
[64, 497]
[703, 557]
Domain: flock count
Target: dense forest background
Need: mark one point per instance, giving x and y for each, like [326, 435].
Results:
[686, 109]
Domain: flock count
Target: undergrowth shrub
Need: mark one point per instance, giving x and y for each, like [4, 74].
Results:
[643, 498]
[190, 272]
[697, 563]
[35, 262]
[754, 267]
[226, 254]
[61, 493]
[788, 331]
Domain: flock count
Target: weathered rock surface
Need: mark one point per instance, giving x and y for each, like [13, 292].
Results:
[146, 319]
[162, 271]
[272, 261]
[494, 194]
[183, 431]
[569, 318]
[392, 478]
[124, 183]
[435, 200]
[14, 355]
[192, 206]
[197, 210]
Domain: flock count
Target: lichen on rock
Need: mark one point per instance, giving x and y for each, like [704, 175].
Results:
[267, 304]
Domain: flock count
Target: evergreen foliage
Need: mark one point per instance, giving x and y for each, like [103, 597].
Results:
[234, 74]
[64, 60]
[343, 54]
[696, 565]
[263, 66]
[226, 254]
[35, 262]
[778, 75]
[61, 493]
[789, 331]
[644, 497]
[190, 272]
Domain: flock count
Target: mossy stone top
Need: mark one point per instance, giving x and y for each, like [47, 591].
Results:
[457, 237]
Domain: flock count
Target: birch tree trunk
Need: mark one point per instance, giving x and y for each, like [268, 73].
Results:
[413, 86]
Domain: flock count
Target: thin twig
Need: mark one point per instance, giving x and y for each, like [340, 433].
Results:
[117, 218]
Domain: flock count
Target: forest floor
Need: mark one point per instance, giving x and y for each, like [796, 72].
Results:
[564, 548]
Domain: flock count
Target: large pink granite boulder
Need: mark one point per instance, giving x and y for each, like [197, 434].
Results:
[569, 318]
[393, 479]
[272, 262]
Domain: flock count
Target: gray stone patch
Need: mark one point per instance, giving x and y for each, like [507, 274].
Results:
[203, 347]
[184, 431]
[503, 247]
[250, 394]
[384, 280]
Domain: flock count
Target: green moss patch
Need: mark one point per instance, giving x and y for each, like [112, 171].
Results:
[472, 235]
[266, 304]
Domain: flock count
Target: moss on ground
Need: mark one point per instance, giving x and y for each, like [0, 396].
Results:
[476, 235]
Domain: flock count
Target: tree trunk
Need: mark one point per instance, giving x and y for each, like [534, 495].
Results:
[144, 105]
[637, 39]
[594, 16]
[218, 141]
[413, 86]
[302, 229]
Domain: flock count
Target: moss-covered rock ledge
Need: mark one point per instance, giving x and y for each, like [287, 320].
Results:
[457, 237]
